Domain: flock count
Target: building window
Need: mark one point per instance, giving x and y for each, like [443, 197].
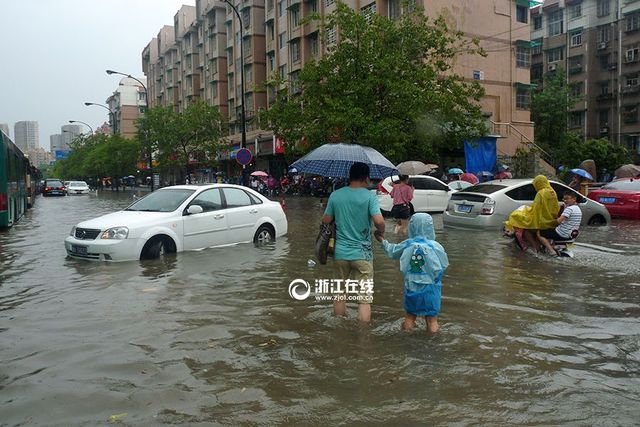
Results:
[294, 82]
[575, 64]
[328, 3]
[294, 47]
[555, 23]
[536, 47]
[603, 8]
[576, 39]
[523, 98]
[246, 17]
[633, 143]
[523, 57]
[633, 22]
[271, 61]
[603, 34]
[555, 55]
[394, 9]
[282, 39]
[537, 22]
[269, 5]
[248, 74]
[632, 53]
[577, 89]
[630, 114]
[313, 44]
[536, 72]
[313, 5]
[246, 46]
[270, 32]
[603, 118]
[631, 79]
[295, 16]
[575, 11]
[604, 88]
[280, 8]
[282, 70]
[331, 35]
[522, 14]
[576, 119]
[368, 12]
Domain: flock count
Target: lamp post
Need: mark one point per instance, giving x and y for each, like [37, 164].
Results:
[87, 125]
[146, 101]
[243, 143]
[111, 113]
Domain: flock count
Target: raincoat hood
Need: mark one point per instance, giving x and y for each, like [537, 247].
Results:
[421, 226]
[540, 182]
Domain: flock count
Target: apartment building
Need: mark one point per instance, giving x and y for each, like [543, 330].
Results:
[26, 135]
[39, 156]
[128, 103]
[201, 57]
[597, 43]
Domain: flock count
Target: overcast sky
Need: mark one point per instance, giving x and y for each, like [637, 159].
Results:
[54, 55]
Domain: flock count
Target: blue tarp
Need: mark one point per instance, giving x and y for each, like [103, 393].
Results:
[480, 155]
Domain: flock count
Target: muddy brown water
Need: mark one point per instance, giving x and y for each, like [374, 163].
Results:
[213, 337]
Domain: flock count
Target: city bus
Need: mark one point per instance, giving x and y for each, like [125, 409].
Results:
[14, 172]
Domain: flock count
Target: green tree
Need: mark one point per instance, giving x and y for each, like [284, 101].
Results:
[385, 83]
[549, 108]
[607, 155]
[178, 138]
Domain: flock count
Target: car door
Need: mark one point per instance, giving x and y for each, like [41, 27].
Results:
[438, 195]
[208, 228]
[420, 200]
[242, 213]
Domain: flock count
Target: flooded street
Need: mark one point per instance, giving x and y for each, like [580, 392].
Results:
[213, 337]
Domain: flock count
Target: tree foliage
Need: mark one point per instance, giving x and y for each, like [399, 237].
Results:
[607, 155]
[387, 84]
[99, 156]
[180, 138]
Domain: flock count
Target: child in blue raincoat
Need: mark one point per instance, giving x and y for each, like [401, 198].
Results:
[422, 262]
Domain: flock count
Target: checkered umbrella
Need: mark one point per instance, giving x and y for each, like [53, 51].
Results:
[335, 160]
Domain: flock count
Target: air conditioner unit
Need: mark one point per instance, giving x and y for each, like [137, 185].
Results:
[552, 67]
[602, 45]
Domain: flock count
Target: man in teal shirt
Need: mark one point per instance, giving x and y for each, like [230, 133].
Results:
[354, 208]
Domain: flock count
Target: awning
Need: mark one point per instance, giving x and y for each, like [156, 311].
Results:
[526, 86]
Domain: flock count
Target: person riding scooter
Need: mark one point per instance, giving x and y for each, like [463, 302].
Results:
[568, 224]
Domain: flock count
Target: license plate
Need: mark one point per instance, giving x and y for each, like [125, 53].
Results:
[607, 199]
[464, 208]
[79, 250]
[78, 192]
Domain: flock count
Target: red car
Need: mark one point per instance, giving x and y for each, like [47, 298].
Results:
[621, 197]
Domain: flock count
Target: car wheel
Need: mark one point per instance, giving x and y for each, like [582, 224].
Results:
[597, 220]
[158, 247]
[265, 234]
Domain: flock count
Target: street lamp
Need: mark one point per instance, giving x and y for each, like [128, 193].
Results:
[111, 113]
[146, 101]
[78, 121]
[242, 117]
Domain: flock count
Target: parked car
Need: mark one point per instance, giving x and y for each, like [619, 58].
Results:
[53, 187]
[459, 185]
[430, 194]
[621, 197]
[488, 204]
[77, 187]
[179, 218]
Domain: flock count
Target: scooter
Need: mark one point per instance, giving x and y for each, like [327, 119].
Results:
[564, 248]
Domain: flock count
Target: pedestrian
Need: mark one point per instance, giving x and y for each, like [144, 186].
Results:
[353, 208]
[402, 194]
[422, 262]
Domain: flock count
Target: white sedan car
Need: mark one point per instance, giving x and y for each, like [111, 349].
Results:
[176, 219]
[77, 187]
[429, 195]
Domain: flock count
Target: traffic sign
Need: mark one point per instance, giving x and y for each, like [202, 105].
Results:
[244, 156]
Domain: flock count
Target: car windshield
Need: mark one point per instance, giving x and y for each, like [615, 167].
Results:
[161, 201]
[484, 188]
[627, 185]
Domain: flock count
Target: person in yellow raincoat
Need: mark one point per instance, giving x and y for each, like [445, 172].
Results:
[541, 215]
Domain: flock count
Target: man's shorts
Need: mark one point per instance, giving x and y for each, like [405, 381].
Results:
[401, 211]
[553, 235]
[360, 270]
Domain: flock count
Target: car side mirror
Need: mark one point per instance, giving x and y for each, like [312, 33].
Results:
[194, 209]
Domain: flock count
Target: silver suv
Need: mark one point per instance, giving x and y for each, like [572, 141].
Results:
[489, 204]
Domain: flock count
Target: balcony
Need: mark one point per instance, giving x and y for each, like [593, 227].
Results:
[631, 89]
[606, 96]
[575, 69]
[612, 66]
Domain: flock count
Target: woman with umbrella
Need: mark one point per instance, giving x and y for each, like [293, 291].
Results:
[581, 179]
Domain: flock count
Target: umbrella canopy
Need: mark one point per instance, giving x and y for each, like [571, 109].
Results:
[485, 174]
[259, 173]
[413, 167]
[469, 177]
[293, 170]
[583, 173]
[628, 171]
[335, 160]
[456, 171]
[432, 166]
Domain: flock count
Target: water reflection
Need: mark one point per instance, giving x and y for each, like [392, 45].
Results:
[213, 336]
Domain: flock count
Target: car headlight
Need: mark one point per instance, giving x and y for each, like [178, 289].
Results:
[117, 233]
[73, 231]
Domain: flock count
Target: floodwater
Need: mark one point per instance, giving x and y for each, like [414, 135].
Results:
[213, 337]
